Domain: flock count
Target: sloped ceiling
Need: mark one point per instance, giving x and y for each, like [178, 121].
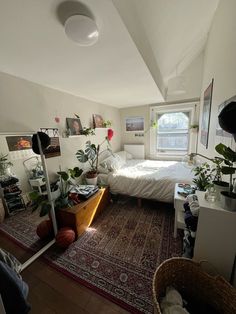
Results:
[140, 44]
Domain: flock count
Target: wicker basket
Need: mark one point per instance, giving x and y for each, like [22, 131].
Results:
[192, 282]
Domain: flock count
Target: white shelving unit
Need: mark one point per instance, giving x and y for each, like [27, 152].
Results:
[216, 236]
[179, 209]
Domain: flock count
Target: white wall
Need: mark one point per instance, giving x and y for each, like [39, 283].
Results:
[220, 64]
[26, 106]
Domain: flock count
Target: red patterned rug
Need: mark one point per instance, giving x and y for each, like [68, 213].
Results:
[117, 255]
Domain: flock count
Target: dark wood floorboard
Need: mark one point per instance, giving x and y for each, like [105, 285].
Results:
[51, 292]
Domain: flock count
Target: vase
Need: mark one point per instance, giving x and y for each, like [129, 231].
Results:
[92, 181]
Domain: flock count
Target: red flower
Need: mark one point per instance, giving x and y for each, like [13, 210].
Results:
[110, 134]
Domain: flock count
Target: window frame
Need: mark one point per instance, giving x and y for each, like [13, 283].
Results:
[192, 109]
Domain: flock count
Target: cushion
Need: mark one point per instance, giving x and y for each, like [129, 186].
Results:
[112, 163]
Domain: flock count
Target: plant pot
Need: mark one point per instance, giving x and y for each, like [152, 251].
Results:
[228, 201]
[91, 178]
[92, 181]
[220, 186]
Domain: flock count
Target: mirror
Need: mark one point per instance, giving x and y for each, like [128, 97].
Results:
[21, 173]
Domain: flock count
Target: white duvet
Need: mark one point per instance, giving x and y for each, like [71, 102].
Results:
[150, 179]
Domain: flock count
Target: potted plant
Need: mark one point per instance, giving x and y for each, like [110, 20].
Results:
[90, 155]
[106, 123]
[5, 165]
[219, 184]
[229, 158]
[194, 127]
[41, 201]
[203, 176]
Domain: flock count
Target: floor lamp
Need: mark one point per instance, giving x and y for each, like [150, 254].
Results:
[40, 142]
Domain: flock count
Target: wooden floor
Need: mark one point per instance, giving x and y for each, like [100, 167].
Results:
[51, 292]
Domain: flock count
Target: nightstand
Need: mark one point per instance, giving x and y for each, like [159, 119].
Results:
[80, 217]
[179, 210]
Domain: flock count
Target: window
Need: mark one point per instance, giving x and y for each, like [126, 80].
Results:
[173, 132]
[171, 139]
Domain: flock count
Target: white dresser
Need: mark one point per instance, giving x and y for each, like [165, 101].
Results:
[216, 236]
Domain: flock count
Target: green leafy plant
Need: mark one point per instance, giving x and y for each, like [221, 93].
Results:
[229, 158]
[87, 131]
[41, 201]
[107, 123]
[4, 164]
[203, 176]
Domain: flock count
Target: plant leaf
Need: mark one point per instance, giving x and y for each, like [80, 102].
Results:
[63, 175]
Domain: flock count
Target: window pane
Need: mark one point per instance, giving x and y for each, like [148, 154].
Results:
[172, 132]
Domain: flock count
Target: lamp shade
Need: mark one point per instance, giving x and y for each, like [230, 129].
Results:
[82, 30]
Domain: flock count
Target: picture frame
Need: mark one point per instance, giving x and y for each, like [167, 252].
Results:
[17, 143]
[98, 121]
[206, 114]
[74, 126]
[53, 150]
[134, 124]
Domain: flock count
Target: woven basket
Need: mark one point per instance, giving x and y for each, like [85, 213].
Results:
[192, 282]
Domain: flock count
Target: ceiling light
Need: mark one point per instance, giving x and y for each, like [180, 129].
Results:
[82, 30]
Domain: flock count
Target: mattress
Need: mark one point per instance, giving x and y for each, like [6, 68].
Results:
[150, 179]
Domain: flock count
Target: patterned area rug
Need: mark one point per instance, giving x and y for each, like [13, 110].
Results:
[117, 255]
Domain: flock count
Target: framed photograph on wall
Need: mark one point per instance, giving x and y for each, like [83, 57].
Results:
[134, 124]
[74, 126]
[206, 114]
[53, 150]
[98, 121]
[16, 143]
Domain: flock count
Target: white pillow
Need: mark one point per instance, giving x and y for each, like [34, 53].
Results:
[112, 163]
[129, 156]
[122, 155]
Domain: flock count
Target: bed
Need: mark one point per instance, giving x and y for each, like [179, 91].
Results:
[148, 179]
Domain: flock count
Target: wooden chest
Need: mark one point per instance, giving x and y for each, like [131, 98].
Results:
[81, 216]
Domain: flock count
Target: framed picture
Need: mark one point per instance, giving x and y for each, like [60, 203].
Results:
[206, 113]
[98, 121]
[74, 126]
[16, 143]
[134, 124]
[53, 150]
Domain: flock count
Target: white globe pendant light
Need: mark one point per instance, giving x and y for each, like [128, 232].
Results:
[82, 30]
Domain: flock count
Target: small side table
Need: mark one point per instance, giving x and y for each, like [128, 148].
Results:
[179, 209]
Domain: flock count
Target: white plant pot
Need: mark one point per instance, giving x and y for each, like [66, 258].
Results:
[55, 194]
[92, 181]
[220, 188]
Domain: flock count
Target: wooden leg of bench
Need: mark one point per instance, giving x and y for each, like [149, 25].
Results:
[139, 202]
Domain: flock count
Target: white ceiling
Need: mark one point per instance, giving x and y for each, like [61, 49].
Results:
[116, 70]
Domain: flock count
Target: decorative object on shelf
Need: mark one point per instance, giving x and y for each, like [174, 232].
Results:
[98, 121]
[16, 143]
[87, 131]
[134, 124]
[91, 154]
[74, 126]
[206, 114]
[107, 123]
[229, 158]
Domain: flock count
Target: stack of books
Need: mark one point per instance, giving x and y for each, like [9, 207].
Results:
[84, 191]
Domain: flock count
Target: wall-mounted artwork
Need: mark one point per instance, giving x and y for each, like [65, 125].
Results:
[53, 149]
[134, 124]
[16, 143]
[74, 126]
[206, 113]
[98, 121]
